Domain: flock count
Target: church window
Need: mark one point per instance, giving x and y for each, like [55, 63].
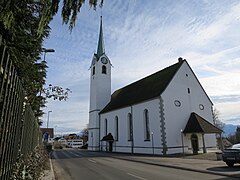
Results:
[177, 103]
[130, 127]
[104, 69]
[146, 125]
[106, 127]
[93, 72]
[116, 128]
[201, 107]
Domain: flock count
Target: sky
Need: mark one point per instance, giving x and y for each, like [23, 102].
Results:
[142, 37]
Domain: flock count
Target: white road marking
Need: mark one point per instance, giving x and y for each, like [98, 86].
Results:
[75, 154]
[92, 161]
[54, 155]
[66, 154]
[138, 177]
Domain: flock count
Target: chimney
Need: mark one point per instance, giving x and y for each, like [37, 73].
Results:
[180, 59]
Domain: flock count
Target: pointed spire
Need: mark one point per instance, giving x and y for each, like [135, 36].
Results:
[100, 50]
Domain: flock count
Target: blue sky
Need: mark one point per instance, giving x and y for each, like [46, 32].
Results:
[142, 37]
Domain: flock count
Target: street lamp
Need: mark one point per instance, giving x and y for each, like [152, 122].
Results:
[182, 142]
[45, 51]
[48, 118]
[152, 142]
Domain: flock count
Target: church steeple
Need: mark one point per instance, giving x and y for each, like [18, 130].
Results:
[100, 50]
[100, 90]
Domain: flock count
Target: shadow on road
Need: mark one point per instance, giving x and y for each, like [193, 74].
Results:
[225, 168]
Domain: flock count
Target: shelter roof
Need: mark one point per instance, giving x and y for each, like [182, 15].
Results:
[197, 124]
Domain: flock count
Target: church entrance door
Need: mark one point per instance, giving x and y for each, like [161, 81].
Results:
[110, 146]
[194, 141]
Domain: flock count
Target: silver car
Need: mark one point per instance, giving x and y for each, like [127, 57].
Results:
[231, 155]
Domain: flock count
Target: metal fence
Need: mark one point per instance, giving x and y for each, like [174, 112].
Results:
[19, 130]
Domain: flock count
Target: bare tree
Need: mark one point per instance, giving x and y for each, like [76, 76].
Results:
[216, 120]
[84, 134]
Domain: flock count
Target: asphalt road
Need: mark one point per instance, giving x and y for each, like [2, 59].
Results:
[75, 164]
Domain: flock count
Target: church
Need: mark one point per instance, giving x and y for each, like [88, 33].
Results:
[164, 113]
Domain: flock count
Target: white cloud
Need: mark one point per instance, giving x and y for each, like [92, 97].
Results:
[229, 112]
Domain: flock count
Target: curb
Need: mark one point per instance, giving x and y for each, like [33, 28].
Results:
[51, 166]
[178, 167]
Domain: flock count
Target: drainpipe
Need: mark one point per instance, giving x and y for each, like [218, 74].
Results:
[132, 148]
[99, 138]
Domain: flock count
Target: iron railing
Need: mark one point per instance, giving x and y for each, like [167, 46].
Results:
[19, 129]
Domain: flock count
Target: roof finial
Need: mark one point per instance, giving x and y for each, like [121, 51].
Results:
[100, 50]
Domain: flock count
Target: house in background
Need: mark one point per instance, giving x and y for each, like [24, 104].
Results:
[47, 134]
[75, 143]
[72, 136]
[165, 113]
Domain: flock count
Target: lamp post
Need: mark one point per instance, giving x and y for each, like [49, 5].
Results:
[55, 131]
[48, 118]
[152, 142]
[182, 142]
[45, 51]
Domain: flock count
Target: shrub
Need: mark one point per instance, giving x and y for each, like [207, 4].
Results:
[31, 165]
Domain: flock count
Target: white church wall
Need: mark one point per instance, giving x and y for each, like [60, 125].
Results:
[93, 139]
[139, 144]
[210, 141]
[93, 120]
[184, 88]
[122, 145]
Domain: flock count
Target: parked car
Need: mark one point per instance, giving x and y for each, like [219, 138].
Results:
[231, 155]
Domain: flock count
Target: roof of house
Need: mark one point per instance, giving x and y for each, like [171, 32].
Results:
[197, 124]
[147, 88]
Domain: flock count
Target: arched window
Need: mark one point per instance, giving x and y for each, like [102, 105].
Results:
[93, 72]
[146, 125]
[116, 128]
[104, 69]
[130, 127]
[106, 127]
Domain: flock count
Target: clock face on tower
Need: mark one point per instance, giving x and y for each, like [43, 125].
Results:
[104, 60]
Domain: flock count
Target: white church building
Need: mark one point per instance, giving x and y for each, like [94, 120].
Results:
[164, 113]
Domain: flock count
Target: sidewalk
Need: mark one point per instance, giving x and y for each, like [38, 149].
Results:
[206, 163]
[49, 173]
